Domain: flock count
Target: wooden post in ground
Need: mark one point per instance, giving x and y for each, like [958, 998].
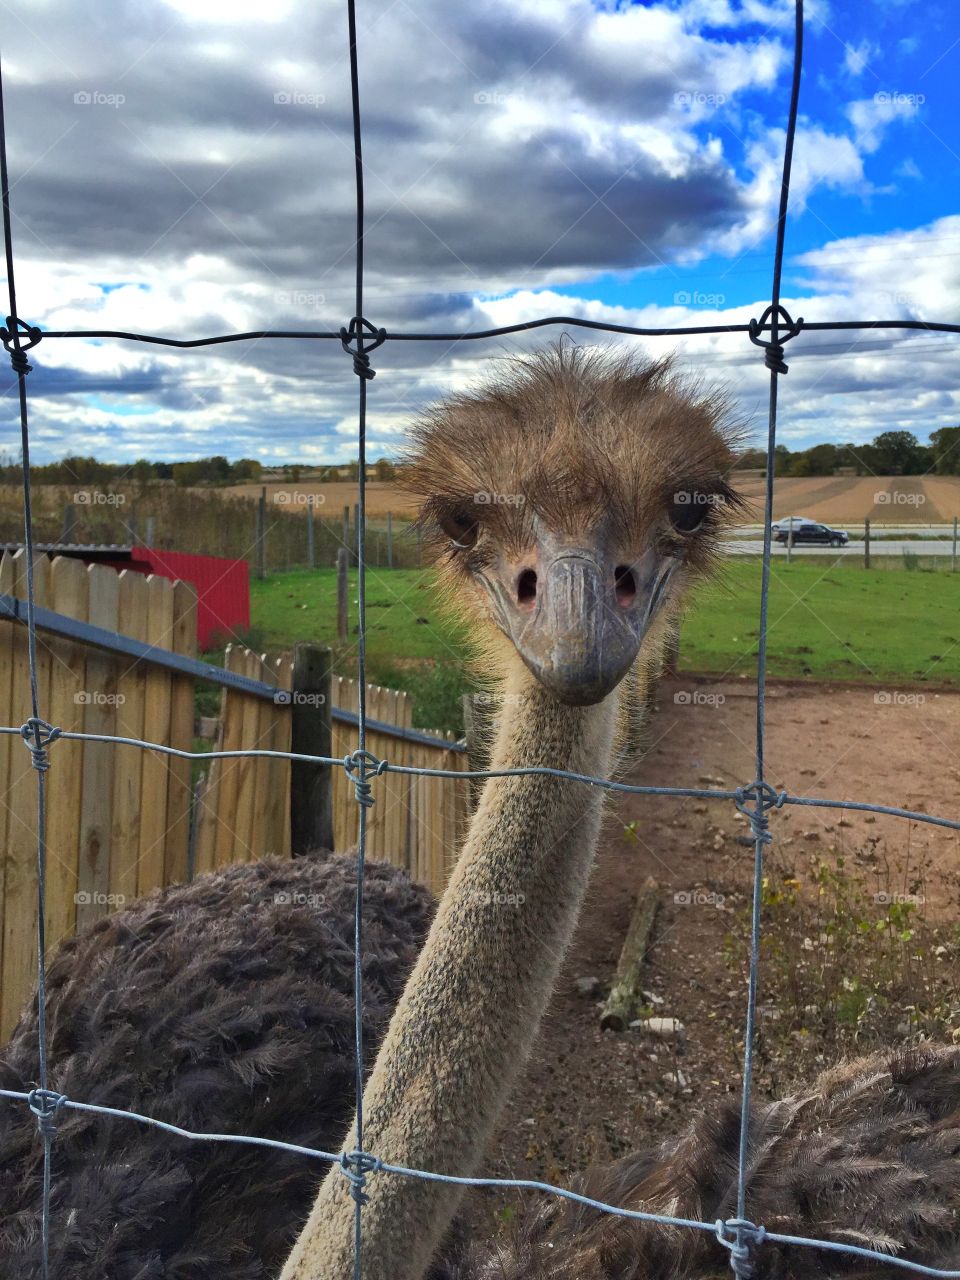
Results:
[311, 539]
[69, 533]
[343, 557]
[311, 792]
[345, 537]
[626, 992]
[866, 544]
[262, 534]
[790, 540]
[954, 562]
[150, 531]
[389, 539]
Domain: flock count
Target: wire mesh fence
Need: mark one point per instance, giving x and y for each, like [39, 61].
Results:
[359, 338]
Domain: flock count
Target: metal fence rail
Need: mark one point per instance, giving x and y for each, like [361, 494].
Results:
[359, 338]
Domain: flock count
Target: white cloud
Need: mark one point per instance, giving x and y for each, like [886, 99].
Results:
[856, 57]
[871, 117]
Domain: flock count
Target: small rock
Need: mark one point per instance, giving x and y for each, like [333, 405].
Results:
[651, 997]
[811, 835]
[677, 1079]
[665, 1028]
[529, 1121]
[844, 822]
[589, 988]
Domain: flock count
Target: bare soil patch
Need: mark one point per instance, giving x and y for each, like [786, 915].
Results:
[590, 1095]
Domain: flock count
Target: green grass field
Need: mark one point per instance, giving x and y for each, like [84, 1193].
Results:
[825, 623]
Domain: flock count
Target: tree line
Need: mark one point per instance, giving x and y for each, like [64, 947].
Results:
[892, 453]
[215, 470]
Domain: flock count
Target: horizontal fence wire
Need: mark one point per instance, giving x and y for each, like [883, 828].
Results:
[755, 800]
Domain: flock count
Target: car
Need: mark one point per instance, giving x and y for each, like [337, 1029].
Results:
[784, 522]
[811, 533]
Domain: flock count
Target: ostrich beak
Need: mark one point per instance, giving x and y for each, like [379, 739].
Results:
[578, 622]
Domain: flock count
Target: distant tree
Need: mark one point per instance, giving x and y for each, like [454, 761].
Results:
[246, 469]
[945, 448]
[781, 460]
[898, 453]
[820, 460]
[751, 460]
[384, 469]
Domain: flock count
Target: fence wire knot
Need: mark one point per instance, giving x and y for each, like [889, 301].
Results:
[38, 735]
[355, 1165]
[361, 766]
[18, 350]
[774, 349]
[740, 1236]
[763, 798]
[45, 1103]
[361, 357]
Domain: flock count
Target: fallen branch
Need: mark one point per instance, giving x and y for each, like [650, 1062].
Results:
[625, 993]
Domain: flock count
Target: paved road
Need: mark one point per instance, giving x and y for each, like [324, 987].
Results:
[881, 547]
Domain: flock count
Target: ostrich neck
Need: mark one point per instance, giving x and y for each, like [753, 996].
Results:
[468, 1017]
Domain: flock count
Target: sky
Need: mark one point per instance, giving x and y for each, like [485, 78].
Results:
[185, 167]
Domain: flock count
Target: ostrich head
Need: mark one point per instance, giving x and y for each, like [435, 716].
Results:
[573, 498]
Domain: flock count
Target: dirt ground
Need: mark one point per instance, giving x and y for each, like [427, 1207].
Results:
[838, 500]
[590, 1095]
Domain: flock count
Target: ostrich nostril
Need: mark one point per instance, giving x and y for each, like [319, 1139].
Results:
[625, 585]
[527, 588]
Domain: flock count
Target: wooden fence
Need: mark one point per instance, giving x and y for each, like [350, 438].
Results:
[122, 820]
[415, 823]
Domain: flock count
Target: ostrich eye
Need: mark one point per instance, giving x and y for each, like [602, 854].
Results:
[460, 527]
[689, 508]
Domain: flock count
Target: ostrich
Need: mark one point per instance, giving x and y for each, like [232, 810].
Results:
[576, 498]
[868, 1156]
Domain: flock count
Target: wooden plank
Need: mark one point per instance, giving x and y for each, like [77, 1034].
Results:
[132, 607]
[310, 733]
[99, 758]
[225, 813]
[207, 801]
[155, 768]
[241, 818]
[20, 895]
[267, 714]
[69, 589]
[278, 829]
[183, 639]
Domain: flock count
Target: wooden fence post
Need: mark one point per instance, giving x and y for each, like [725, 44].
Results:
[311, 800]
[345, 537]
[69, 523]
[954, 544]
[150, 531]
[311, 541]
[343, 556]
[866, 544]
[262, 534]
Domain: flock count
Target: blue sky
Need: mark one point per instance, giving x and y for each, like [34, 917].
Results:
[187, 169]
